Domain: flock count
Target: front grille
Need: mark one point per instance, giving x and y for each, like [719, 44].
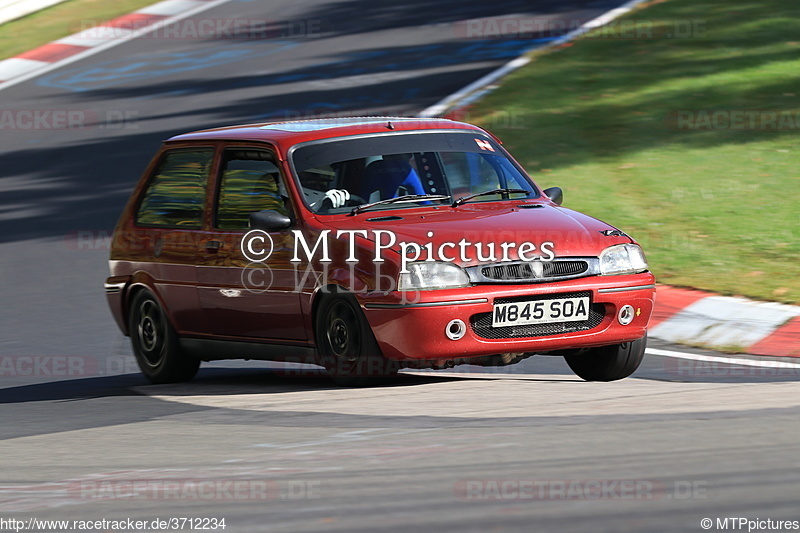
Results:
[524, 271]
[535, 271]
[481, 323]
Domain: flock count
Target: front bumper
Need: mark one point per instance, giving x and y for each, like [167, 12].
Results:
[413, 326]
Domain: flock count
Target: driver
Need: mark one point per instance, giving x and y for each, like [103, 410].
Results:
[385, 177]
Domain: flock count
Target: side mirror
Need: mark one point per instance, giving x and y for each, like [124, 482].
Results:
[555, 194]
[269, 220]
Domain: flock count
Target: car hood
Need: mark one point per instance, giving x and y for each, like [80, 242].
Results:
[573, 234]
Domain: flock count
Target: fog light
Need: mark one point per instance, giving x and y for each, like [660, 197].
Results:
[626, 315]
[455, 329]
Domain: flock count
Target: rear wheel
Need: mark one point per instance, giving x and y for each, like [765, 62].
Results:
[608, 363]
[347, 348]
[155, 343]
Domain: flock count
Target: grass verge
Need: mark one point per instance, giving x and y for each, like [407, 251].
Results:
[714, 208]
[59, 21]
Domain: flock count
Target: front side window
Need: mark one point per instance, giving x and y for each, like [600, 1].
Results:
[337, 175]
[176, 193]
[250, 182]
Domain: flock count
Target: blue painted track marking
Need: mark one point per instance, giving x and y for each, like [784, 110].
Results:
[133, 69]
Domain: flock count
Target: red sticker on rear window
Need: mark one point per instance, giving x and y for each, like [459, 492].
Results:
[484, 145]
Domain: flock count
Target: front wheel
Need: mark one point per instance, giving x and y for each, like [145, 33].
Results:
[155, 343]
[608, 363]
[347, 348]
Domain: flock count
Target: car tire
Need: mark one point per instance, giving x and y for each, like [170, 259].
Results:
[346, 346]
[608, 363]
[155, 343]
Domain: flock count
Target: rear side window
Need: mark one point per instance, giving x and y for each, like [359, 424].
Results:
[176, 193]
[250, 182]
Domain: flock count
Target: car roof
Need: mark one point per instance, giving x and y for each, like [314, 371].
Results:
[293, 132]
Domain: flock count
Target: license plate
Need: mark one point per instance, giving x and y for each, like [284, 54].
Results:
[541, 312]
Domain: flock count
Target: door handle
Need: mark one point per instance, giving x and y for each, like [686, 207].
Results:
[213, 246]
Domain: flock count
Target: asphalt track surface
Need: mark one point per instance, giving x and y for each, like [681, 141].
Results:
[521, 448]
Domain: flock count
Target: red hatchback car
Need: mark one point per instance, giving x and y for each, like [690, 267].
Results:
[366, 245]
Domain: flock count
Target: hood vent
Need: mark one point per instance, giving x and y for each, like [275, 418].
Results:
[384, 219]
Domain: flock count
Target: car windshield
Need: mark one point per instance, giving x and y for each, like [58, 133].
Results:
[336, 176]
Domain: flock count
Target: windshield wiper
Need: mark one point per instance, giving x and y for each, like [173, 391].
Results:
[465, 199]
[399, 200]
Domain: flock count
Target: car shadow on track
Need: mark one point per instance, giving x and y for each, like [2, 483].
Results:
[74, 389]
[221, 381]
[242, 380]
[237, 381]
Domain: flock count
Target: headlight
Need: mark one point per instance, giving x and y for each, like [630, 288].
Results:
[432, 275]
[622, 259]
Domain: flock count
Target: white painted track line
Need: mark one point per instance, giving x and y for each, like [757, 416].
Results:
[455, 100]
[14, 9]
[205, 6]
[720, 359]
[168, 7]
[96, 36]
[16, 66]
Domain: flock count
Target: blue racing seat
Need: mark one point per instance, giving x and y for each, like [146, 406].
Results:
[387, 177]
